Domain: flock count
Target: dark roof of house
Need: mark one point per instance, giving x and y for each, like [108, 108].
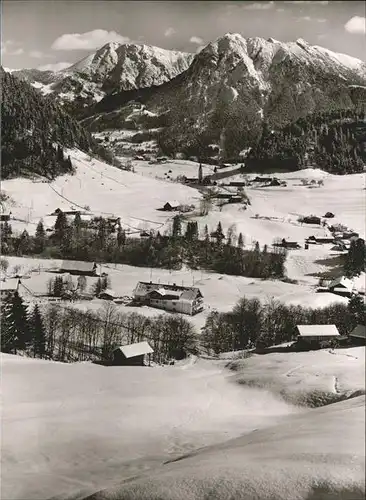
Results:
[359, 332]
[76, 265]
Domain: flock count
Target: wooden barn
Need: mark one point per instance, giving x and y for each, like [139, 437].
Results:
[311, 219]
[79, 268]
[171, 206]
[132, 355]
[107, 294]
[314, 334]
[341, 286]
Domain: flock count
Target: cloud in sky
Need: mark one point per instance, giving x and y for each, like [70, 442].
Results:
[196, 39]
[259, 6]
[37, 54]
[89, 40]
[356, 25]
[169, 32]
[11, 48]
[54, 67]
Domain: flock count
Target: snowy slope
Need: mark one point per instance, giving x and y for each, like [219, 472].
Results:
[314, 456]
[85, 427]
[106, 190]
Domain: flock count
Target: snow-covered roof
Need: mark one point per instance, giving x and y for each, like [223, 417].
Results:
[318, 330]
[9, 285]
[138, 349]
[342, 282]
[108, 291]
[76, 265]
[359, 332]
[173, 203]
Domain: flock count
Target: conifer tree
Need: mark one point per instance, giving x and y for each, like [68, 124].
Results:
[38, 333]
[177, 226]
[121, 236]
[24, 243]
[40, 237]
[18, 324]
[240, 241]
[61, 226]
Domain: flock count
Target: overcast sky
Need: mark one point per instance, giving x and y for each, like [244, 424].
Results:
[45, 33]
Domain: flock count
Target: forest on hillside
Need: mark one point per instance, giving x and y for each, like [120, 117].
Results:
[334, 142]
[34, 129]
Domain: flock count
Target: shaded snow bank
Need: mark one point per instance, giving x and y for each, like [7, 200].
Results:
[313, 379]
[316, 455]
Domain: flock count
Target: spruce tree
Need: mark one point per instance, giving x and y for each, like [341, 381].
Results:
[240, 241]
[38, 333]
[61, 226]
[24, 243]
[121, 236]
[40, 238]
[177, 226]
[18, 323]
[8, 334]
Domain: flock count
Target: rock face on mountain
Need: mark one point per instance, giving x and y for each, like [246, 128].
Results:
[114, 67]
[235, 84]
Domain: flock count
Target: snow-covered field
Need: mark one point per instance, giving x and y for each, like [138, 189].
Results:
[135, 197]
[104, 189]
[83, 427]
[221, 292]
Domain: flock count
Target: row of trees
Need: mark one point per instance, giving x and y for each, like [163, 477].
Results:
[66, 334]
[66, 288]
[251, 322]
[100, 241]
[22, 330]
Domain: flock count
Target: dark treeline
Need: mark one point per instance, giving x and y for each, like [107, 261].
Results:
[68, 335]
[34, 129]
[332, 141]
[252, 323]
[100, 241]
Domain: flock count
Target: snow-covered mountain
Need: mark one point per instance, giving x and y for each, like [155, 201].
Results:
[235, 83]
[114, 67]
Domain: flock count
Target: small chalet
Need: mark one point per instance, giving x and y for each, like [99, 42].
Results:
[132, 355]
[107, 294]
[180, 299]
[262, 179]
[237, 183]
[311, 219]
[5, 217]
[223, 196]
[8, 288]
[321, 239]
[358, 335]
[275, 182]
[235, 199]
[329, 215]
[290, 244]
[313, 334]
[341, 286]
[79, 268]
[171, 206]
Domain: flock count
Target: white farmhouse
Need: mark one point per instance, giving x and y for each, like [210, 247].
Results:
[180, 299]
